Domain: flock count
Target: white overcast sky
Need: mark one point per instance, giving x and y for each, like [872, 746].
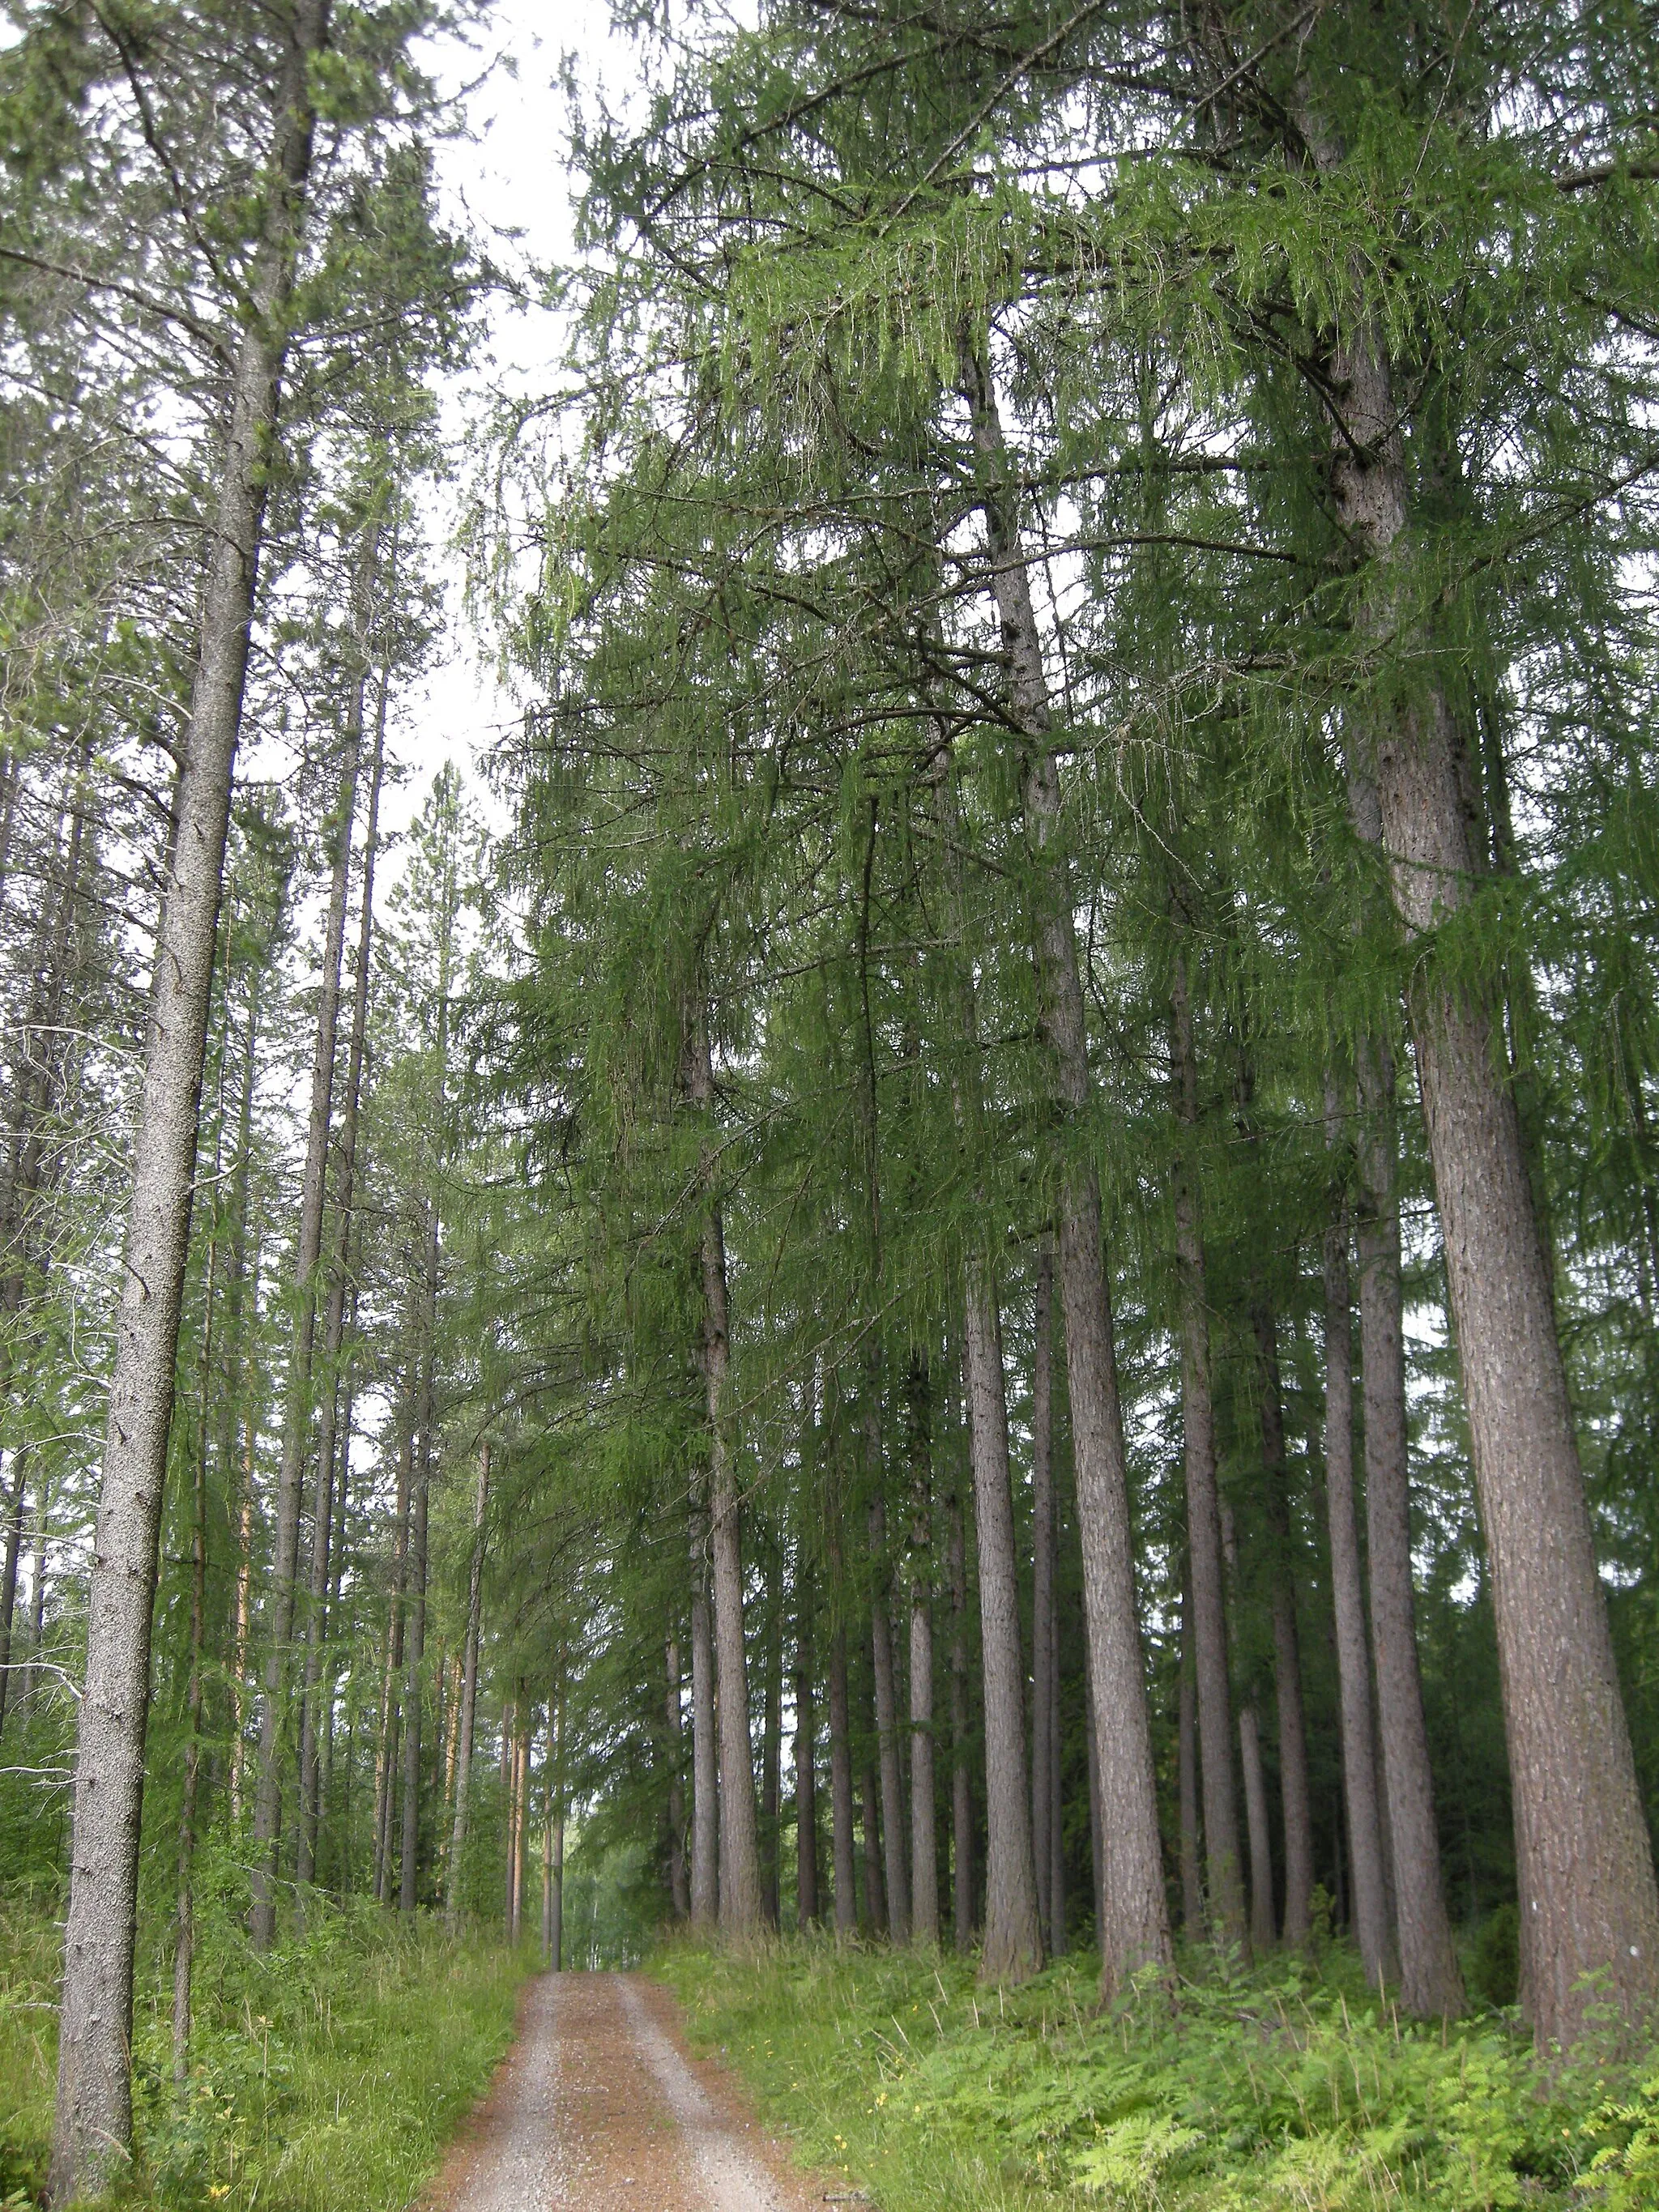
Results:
[507, 177]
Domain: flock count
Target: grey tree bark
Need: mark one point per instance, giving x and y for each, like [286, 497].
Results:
[17, 1473]
[1359, 1733]
[24, 1161]
[183, 1941]
[426, 1411]
[875, 1887]
[553, 1833]
[1012, 1945]
[1137, 1928]
[895, 1874]
[1263, 1931]
[679, 1890]
[1013, 1937]
[1431, 1982]
[1204, 1571]
[297, 1426]
[386, 1769]
[705, 1761]
[466, 1724]
[741, 1908]
[924, 1847]
[840, 1787]
[772, 1739]
[311, 1720]
[1590, 1903]
[1294, 1797]
[415, 1651]
[1264, 1927]
[841, 1722]
[92, 2129]
[1192, 1884]
[962, 1775]
[1044, 1626]
[806, 1784]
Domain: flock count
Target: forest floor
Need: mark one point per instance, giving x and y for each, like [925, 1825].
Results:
[1288, 2090]
[600, 2108]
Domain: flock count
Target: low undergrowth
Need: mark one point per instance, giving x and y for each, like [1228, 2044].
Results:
[1291, 2090]
[326, 2075]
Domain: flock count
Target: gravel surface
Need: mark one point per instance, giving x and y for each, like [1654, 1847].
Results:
[600, 2108]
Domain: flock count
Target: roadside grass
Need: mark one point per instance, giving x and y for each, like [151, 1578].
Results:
[326, 2076]
[1289, 2090]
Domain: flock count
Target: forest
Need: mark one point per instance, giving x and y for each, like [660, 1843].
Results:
[932, 1306]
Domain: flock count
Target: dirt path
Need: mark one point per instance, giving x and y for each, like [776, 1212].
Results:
[598, 2108]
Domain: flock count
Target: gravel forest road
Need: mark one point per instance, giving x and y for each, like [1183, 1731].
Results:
[600, 2108]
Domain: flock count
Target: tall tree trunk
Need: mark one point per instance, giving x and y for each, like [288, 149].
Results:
[1589, 1916]
[1263, 1922]
[678, 1889]
[962, 1774]
[547, 1883]
[1209, 1619]
[387, 1762]
[297, 1426]
[1263, 1928]
[924, 1847]
[705, 1766]
[448, 1675]
[875, 1888]
[553, 1836]
[43, 1489]
[1012, 1949]
[808, 1909]
[420, 1505]
[772, 1741]
[1013, 1935]
[241, 1623]
[1057, 1935]
[742, 1917]
[435, 1150]
[92, 2131]
[524, 1724]
[1192, 1885]
[1137, 1928]
[18, 1474]
[241, 1291]
[1043, 1626]
[553, 1875]
[1097, 1813]
[1370, 1912]
[556, 1930]
[334, 1317]
[509, 1778]
[1287, 1653]
[184, 1947]
[456, 1870]
[1430, 1982]
[840, 1740]
[25, 1160]
[896, 1879]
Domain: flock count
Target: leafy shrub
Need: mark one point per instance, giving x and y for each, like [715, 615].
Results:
[1624, 2172]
